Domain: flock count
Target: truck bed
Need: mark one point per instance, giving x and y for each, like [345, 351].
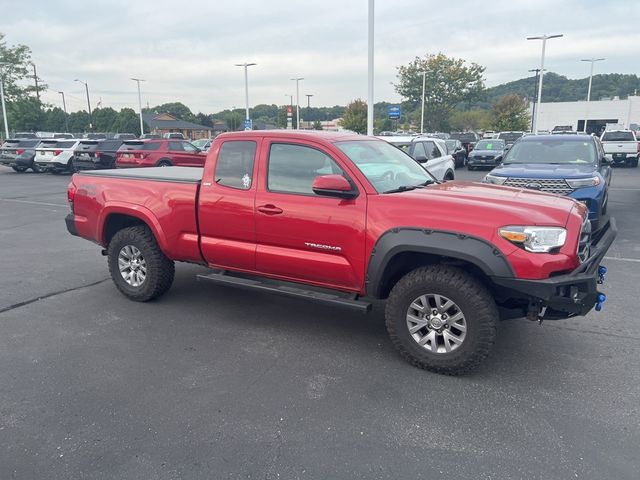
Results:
[159, 174]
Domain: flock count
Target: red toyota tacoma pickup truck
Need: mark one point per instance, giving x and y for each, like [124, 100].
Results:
[345, 220]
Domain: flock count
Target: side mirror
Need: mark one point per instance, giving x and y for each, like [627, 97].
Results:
[333, 186]
[420, 158]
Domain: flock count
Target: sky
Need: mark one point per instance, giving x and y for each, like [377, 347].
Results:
[186, 51]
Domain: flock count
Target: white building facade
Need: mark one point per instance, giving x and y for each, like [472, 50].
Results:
[597, 112]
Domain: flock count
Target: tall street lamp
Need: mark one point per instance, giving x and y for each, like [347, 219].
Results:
[535, 95]
[424, 81]
[4, 109]
[297, 80]
[370, 71]
[138, 80]
[544, 39]
[86, 87]
[246, 91]
[592, 60]
[309, 95]
[66, 118]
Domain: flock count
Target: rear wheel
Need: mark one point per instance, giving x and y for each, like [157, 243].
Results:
[441, 319]
[139, 269]
[448, 176]
[20, 169]
[164, 163]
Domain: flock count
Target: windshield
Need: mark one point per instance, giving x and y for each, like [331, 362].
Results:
[387, 168]
[510, 136]
[551, 151]
[200, 143]
[451, 144]
[618, 137]
[490, 145]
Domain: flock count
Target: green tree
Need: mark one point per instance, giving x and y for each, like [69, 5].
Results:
[177, 109]
[26, 114]
[79, 121]
[317, 125]
[382, 125]
[511, 112]
[54, 120]
[204, 119]
[471, 120]
[449, 82]
[355, 116]
[104, 119]
[127, 121]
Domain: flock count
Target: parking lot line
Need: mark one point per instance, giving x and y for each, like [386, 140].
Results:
[623, 259]
[32, 202]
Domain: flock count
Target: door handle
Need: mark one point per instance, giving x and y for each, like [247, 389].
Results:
[270, 209]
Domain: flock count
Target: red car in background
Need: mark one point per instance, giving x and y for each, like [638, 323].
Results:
[159, 153]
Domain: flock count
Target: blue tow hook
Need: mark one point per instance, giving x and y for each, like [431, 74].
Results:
[602, 273]
[601, 299]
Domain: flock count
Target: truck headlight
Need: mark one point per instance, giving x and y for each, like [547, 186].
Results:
[535, 239]
[584, 182]
[494, 179]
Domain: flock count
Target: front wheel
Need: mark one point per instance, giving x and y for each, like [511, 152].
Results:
[441, 319]
[139, 269]
[20, 169]
[164, 163]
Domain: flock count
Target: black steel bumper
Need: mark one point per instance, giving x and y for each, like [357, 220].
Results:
[69, 220]
[571, 294]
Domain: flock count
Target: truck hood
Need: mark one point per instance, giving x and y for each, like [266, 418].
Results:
[545, 170]
[471, 208]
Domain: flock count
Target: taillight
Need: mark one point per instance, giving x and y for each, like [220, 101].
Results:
[71, 194]
[20, 151]
[97, 154]
[57, 152]
[638, 147]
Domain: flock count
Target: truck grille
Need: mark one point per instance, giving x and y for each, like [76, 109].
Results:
[585, 240]
[555, 185]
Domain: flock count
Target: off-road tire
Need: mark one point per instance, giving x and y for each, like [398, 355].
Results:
[20, 169]
[160, 269]
[469, 294]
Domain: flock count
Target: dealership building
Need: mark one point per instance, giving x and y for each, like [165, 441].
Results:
[598, 113]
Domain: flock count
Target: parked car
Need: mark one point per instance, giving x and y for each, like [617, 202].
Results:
[16, 148]
[125, 136]
[468, 139]
[509, 137]
[56, 156]
[318, 217]
[159, 153]
[573, 165]
[66, 136]
[24, 135]
[96, 136]
[563, 130]
[622, 146]
[203, 144]
[430, 152]
[149, 136]
[175, 135]
[98, 154]
[487, 153]
[457, 151]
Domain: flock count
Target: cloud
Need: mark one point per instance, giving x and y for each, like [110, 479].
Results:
[187, 52]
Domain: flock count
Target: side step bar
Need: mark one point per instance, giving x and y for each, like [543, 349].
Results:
[288, 290]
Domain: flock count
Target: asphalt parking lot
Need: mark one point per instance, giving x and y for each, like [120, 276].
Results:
[212, 382]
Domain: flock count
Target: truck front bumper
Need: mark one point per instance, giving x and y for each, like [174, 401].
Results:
[571, 294]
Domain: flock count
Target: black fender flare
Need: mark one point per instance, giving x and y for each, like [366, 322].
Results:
[477, 251]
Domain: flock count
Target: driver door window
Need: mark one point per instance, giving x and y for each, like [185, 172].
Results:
[419, 153]
[432, 150]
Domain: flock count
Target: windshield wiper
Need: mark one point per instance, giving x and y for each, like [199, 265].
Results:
[406, 188]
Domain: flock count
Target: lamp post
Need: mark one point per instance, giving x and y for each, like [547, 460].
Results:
[138, 80]
[592, 60]
[424, 81]
[370, 70]
[66, 118]
[86, 87]
[246, 90]
[535, 95]
[297, 80]
[4, 109]
[544, 39]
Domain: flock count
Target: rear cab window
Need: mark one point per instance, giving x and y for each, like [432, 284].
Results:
[235, 164]
[618, 137]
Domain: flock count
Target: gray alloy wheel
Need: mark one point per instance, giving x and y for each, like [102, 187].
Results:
[132, 265]
[436, 323]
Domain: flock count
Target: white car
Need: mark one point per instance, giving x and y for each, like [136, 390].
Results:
[622, 146]
[430, 152]
[56, 155]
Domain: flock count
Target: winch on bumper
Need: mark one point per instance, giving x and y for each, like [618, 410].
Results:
[571, 294]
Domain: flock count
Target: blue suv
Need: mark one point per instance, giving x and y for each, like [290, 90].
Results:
[573, 165]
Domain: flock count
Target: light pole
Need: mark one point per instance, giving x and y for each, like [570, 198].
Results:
[424, 81]
[544, 39]
[246, 91]
[535, 95]
[86, 87]
[297, 80]
[592, 60]
[289, 112]
[138, 80]
[309, 95]
[66, 119]
[370, 71]
[4, 109]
